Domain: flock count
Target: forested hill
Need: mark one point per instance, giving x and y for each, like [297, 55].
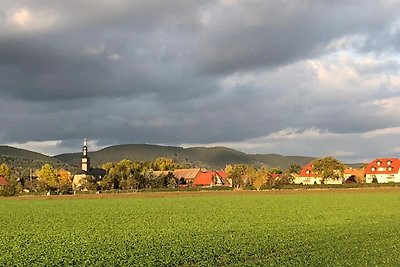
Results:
[215, 157]
[24, 159]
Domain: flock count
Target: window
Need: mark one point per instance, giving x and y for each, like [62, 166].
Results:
[307, 171]
[373, 169]
[390, 169]
[389, 162]
[379, 163]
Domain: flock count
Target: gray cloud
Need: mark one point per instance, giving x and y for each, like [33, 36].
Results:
[195, 72]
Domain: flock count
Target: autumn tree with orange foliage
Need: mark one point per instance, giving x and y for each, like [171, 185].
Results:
[64, 178]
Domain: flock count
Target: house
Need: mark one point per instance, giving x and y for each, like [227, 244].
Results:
[307, 176]
[351, 175]
[3, 181]
[211, 179]
[186, 176]
[225, 179]
[383, 170]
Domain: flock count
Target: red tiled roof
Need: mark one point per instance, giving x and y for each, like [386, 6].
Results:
[204, 178]
[3, 181]
[222, 174]
[275, 176]
[383, 166]
[307, 171]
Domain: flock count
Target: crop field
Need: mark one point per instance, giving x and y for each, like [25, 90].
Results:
[288, 228]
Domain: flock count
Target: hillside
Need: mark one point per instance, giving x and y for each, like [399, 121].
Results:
[215, 157]
[23, 160]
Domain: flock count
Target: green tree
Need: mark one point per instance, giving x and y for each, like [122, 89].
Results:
[277, 170]
[328, 168]
[295, 168]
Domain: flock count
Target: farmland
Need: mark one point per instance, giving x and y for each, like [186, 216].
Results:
[306, 227]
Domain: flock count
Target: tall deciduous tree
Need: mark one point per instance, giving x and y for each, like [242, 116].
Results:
[262, 176]
[5, 171]
[328, 168]
[237, 173]
[48, 177]
[64, 180]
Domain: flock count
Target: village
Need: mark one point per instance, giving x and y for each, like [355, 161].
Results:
[164, 174]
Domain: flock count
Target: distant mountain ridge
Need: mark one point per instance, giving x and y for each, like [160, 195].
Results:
[209, 157]
[23, 159]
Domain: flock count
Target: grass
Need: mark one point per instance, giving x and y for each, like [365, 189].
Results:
[288, 228]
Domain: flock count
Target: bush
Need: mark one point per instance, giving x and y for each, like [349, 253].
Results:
[8, 190]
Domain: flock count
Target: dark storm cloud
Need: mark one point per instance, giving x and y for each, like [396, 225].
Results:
[268, 33]
[182, 71]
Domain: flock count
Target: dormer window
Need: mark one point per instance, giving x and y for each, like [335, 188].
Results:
[307, 171]
[389, 162]
[373, 169]
[390, 169]
[378, 163]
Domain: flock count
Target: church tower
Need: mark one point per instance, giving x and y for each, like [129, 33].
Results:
[85, 157]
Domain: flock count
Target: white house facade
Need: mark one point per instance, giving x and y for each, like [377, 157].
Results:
[383, 170]
[307, 176]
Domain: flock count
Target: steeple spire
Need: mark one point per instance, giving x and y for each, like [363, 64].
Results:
[85, 157]
[84, 148]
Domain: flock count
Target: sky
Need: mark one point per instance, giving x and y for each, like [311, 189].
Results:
[312, 78]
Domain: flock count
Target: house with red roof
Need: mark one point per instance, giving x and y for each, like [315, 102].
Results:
[3, 181]
[211, 179]
[307, 176]
[383, 170]
[186, 176]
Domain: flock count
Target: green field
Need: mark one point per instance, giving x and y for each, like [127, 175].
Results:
[289, 228]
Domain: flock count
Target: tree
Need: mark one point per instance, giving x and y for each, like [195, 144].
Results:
[277, 170]
[107, 166]
[90, 183]
[262, 175]
[295, 168]
[237, 173]
[285, 179]
[328, 168]
[64, 180]
[5, 171]
[164, 164]
[9, 189]
[48, 177]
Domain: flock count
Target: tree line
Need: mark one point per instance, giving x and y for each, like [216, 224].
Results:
[136, 175]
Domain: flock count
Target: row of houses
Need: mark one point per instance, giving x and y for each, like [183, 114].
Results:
[197, 177]
[380, 170]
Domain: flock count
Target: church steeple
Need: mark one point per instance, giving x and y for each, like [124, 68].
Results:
[85, 157]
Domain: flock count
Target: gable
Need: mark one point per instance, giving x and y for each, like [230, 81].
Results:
[383, 166]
